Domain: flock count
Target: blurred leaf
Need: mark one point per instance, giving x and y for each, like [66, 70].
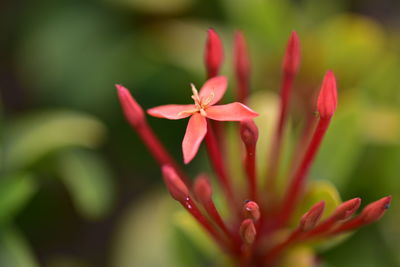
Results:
[15, 192]
[145, 234]
[14, 250]
[89, 182]
[33, 137]
[299, 256]
[158, 6]
[316, 192]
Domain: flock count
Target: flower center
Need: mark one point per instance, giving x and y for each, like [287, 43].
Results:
[200, 103]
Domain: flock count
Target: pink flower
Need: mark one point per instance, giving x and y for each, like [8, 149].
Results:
[204, 107]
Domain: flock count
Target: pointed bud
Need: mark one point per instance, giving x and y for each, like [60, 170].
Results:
[311, 218]
[214, 53]
[202, 189]
[375, 210]
[132, 110]
[291, 60]
[248, 231]
[346, 209]
[241, 57]
[327, 99]
[174, 183]
[251, 210]
[249, 132]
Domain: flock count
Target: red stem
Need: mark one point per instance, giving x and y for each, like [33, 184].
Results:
[273, 254]
[191, 207]
[157, 149]
[275, 153]
[250, 166]
[297, 184]
[214, 214]
[218, 165]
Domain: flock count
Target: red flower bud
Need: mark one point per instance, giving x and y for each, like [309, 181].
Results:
[132, 110]
[291, 60]
[346, 209]
[249, 132]
[375, 210]
[214, 53]
[327, 99]
[251, 210]
[202, 189]
[248, 231]
[241, 58]
[174, 183]
[312, 217]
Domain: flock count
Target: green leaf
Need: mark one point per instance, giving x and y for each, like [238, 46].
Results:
[33, 137]
[14, 249]
[89, 182]
[15, 192]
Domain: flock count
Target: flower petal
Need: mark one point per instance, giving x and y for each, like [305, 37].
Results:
[231, 112]
[216, 86]
[171, 112]
[195, 132]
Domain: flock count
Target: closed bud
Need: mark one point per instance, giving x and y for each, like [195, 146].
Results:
[375, 210]
[214, 53]
[249, 132]
[174, 183]
[248, 231]
[202, 189]
[291, 61]
[327, 99]
[132, 110]
[311, 218]
[346, 209]
[251, 210]
[241, 57]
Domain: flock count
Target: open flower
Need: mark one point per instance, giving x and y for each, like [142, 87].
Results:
[204, 107]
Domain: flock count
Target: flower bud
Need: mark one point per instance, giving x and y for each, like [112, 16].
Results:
[249, 132]
[174, 183]
[241, 57]
[375, 210]
[327, 99]
[214, 53]
[248, 231]
[291, 61]
[251, 210]
[202, 189]
[312, 217]
[346, 209]
[132, 110]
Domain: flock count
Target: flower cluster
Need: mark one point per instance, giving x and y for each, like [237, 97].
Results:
[250, 233]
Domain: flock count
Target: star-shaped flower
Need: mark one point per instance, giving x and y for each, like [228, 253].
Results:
[204, 107]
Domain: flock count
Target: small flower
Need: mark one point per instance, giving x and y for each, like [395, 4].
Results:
[203, 107]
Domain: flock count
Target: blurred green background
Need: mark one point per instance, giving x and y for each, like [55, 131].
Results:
[77, 187]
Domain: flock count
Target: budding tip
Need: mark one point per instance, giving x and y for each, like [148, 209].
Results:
[213, 53]
[174, 183]
[249, 132]
[311, 218]
[346, 209]
[202, 189]
[248, 231]
[327, 99]
[291, 61]
[376, 210]
[251, 210]
[132, 110]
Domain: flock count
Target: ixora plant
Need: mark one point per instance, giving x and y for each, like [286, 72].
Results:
[262, 225]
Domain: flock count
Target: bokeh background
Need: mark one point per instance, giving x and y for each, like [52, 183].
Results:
[77, 187]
